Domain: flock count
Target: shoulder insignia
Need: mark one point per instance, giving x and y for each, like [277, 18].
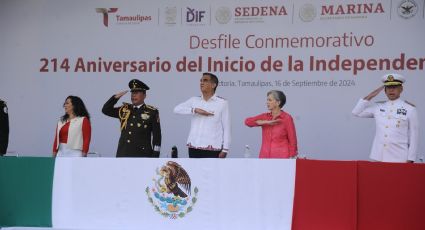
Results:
[221, 97]
[151, 107]
[410, 103]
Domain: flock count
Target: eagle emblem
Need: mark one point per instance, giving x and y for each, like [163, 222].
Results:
[407, 9]
[172, 195]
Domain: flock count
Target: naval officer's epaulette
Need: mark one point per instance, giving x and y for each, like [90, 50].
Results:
[380, 102]
[222, 98]
[151, 107]
[410, 103]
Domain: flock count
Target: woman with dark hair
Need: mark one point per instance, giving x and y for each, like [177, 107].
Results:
[279, 136]
[73, 131]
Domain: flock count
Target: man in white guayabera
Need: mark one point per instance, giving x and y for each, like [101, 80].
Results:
[209, 135]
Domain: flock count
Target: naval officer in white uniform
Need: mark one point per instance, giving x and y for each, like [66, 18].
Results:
[396, 138]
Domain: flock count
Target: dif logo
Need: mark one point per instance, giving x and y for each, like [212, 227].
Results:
[195, 16]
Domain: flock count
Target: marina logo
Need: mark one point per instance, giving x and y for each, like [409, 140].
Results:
[407, 9]
[351, 11]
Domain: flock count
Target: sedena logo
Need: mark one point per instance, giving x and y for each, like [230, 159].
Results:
[307, 12]
[171, 193]
[105, 12]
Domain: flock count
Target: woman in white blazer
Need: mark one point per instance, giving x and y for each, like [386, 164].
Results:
[73, 131]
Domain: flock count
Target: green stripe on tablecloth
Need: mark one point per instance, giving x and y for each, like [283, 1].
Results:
[26, 191]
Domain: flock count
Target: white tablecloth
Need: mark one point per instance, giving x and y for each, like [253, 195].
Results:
[108, 193]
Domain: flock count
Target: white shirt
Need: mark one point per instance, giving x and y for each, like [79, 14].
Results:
[138, 106]
[207, 132]
[397, 128]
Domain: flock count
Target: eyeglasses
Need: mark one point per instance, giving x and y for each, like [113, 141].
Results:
[205, 80]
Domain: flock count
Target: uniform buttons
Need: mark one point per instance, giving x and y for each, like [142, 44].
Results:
[385, 135]
[386, 126]
[129, 132]
[128, 141]
[134, 116]
[131, 124]
[385, 145]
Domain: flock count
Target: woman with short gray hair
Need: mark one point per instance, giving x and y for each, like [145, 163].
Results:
[279, 139]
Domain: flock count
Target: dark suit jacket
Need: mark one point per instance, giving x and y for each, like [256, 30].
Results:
[4, 128]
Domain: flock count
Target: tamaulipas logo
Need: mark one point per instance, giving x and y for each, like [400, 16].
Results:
[105, 12]
[171, 194]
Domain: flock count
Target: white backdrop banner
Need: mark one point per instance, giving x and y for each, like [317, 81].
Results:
[124, 193]
[324, 55]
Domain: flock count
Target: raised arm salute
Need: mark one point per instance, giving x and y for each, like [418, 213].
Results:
[139, 123]
[396, 138]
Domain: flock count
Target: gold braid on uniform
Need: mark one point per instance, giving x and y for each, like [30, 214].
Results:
[124, 114]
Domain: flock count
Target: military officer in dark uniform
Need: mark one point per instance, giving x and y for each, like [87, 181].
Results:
[4, 127]
[140, 126]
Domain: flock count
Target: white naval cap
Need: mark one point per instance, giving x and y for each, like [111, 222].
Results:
[393, 79]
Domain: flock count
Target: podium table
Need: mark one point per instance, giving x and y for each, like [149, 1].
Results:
[94, 193]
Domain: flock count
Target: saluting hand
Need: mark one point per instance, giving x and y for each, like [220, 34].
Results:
[120, 94]
[374, 93]
[203, 112]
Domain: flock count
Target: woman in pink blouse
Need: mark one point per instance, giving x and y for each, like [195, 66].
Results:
[73, 131]
[279, 136]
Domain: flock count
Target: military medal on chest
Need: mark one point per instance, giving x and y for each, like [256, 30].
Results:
[145, 116]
